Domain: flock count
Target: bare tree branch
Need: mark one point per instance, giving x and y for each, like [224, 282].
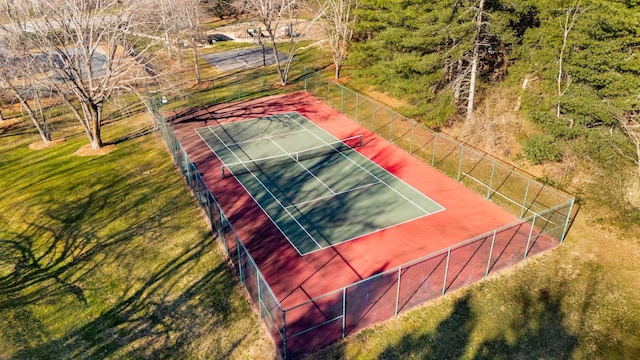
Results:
[94, 49]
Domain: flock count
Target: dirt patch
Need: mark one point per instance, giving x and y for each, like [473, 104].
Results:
[39, 145]
[86, 150]
[9, 124]
[632, 193]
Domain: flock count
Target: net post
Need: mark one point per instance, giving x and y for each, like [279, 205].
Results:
[446, 271]
[533, 222]
[493, 241]
[398, 289]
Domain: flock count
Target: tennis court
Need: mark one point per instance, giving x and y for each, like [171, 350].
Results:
[286, 181]
[302, 177]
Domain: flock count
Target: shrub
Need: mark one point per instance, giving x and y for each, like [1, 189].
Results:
[541, 148]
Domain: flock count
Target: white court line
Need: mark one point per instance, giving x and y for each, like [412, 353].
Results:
[304, 167]
[270, 193]
[266, 137]
[335, 194]
[360, 166]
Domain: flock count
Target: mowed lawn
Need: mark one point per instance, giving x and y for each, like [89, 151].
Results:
[110, 257]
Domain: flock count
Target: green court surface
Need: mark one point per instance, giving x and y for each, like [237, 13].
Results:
[318, 190]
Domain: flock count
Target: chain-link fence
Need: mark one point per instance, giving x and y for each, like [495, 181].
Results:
[543, 212]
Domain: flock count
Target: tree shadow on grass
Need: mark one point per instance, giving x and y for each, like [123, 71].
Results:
[535, 331]
[455, 329]
[59, 265]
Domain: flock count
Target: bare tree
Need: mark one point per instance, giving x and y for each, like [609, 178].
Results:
[563, 80]
[280, 19]
[192, 20]
[338, 19]
[16, 77]
[474, 60]
[92, 47]
[164, 12]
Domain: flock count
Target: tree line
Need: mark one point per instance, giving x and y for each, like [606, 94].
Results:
[80, 54]
[577, 62]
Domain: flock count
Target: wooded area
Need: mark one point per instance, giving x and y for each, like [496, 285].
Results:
[579, 61]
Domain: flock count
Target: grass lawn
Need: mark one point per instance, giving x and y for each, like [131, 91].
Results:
[110, 257]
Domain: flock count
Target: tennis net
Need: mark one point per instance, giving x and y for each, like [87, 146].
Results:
[244, 167]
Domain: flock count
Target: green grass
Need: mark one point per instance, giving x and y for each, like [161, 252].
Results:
[110, 257]
[100, 257]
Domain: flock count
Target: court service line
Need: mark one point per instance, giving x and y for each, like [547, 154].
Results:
[336, 194]
[266, 137]
[367, 171]
[304, 167]
[272, 195]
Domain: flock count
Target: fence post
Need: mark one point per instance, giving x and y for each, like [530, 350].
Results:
[533, 222]
[342, 99]
[344, 310]
[433, 156]
[373, 116]
[493, 241]
[316, 79]
[391, 127]
[398, 289]
[493, 168]
[413, 125]
[357, 105]
[284, 333]
[258, 286]
[524, 201]
[446, 271]
[238, 85]
[566, 222]
[460, 163]
[305, 77]
[239, 262]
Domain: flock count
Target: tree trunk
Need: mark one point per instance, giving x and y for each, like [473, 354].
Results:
[43, 129]
[195, 59]
[96, 128]
[474, 61]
